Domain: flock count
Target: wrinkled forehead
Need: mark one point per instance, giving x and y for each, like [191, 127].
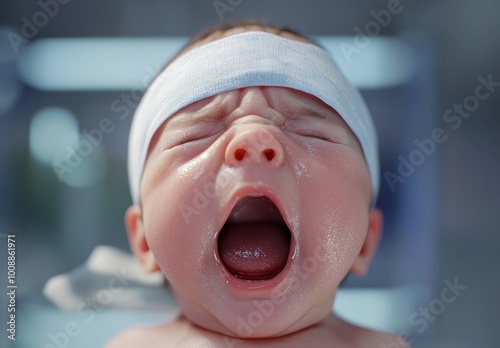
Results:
[254, 58]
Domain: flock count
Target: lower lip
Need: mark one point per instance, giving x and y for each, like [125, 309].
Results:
[256, 285]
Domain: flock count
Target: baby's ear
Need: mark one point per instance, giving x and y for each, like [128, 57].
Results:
[365, 256]
[137, 239]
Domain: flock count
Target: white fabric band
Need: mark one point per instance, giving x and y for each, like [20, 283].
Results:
[243, 60]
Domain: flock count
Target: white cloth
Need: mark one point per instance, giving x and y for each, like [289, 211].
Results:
[243, 60]
[105, 296]
[110, 278]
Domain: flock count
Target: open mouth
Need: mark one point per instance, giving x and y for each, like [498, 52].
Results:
[254, 243]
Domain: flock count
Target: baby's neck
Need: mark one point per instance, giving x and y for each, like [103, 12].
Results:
[331, 332]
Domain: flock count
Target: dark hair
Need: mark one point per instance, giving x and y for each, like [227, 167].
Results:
[221, 29]
[245, 23]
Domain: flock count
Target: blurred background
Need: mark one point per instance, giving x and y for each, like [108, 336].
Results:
[69, 68]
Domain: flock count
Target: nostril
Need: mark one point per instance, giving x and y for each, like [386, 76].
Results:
[269, 153]
[239, 154]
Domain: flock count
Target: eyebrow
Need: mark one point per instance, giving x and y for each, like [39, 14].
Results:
[317, 110]
[323, 113]
[209, 112]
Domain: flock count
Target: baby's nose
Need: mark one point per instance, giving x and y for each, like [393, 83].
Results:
[254, 144]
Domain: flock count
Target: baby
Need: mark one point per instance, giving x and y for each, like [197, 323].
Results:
[254, 171]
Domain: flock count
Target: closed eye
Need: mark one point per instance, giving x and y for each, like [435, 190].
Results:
[191, 135]
[314, 134]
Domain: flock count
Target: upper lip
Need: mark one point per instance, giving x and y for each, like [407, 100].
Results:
[254, 191]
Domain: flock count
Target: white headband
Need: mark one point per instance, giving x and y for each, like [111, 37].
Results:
[243, 60]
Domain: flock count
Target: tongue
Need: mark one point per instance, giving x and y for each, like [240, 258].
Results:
[254, 250]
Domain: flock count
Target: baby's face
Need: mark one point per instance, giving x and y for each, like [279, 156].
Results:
[255, 205]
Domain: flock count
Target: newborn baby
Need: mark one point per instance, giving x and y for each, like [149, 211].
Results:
[253, 168]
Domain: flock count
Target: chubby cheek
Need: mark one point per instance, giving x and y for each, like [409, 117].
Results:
[179, 224]
[335, 202]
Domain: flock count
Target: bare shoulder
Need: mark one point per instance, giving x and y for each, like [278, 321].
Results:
[129, 337]
[364, 337]
[377, 339]
[134, 337]
[149, 336]
[385, 340]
